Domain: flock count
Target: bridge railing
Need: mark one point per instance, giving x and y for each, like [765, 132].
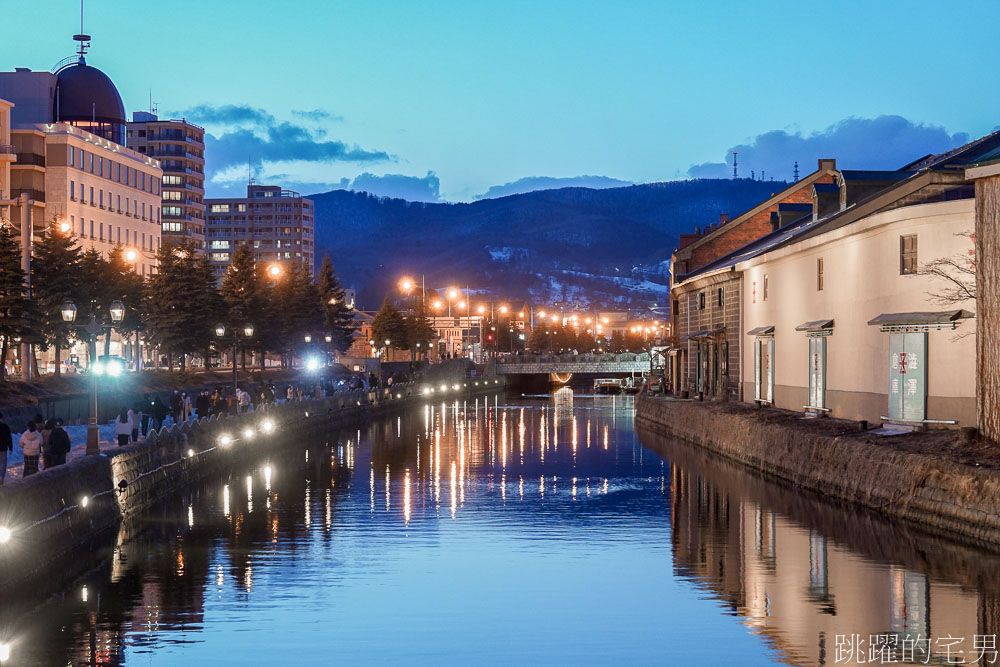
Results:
[624, 357]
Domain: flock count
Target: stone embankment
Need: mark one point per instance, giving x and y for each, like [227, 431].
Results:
[50, 523]
[955, 493]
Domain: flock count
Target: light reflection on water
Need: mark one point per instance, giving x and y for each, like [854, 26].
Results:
[539, 530]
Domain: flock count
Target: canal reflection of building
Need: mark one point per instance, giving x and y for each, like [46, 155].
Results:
[801, 571]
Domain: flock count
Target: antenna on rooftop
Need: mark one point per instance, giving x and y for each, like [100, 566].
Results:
[735, 163]
[82, 38]
[796, 172]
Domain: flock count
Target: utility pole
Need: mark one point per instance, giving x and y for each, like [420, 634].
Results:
[735, 164]
[796, 171]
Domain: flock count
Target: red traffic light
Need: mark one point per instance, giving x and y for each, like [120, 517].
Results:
[489, 337]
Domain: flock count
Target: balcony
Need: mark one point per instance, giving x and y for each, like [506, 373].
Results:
[36, 195]
[34, 159]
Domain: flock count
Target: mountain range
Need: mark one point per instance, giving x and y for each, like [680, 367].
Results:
[573, 247]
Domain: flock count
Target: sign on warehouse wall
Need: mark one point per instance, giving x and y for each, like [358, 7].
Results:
[908, 376]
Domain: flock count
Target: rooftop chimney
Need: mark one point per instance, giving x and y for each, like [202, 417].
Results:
[723, 218]
[826, 164]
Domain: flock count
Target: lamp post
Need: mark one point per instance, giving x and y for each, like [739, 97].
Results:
[68, 313]
[220, 332]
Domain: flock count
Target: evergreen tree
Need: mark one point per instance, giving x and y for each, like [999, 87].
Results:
[616, 344]
[242, 292]
[56, 277]
[16, 311]
[183, 305]
[540, 339]
[241, 288]
[419, 331]
[338, 317]
[389, 325]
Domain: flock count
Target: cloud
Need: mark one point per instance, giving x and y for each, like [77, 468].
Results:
[239, 132]
[885, 142]
[532, 183]
[399, 186]
[316, 115]
[228, 114]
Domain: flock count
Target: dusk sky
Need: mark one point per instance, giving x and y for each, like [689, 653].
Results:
[451, 99]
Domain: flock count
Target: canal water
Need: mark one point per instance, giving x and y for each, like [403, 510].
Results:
[540, 530]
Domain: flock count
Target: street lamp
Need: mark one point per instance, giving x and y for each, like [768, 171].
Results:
[68, 311]
[307, 338]
[247, 331]
[275, 271]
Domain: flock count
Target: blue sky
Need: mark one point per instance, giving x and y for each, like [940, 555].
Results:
[453, 98]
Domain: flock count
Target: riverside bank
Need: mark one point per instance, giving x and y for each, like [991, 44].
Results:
[947, 493]
[54, 522]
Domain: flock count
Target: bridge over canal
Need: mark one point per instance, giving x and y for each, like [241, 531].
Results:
[573, 364]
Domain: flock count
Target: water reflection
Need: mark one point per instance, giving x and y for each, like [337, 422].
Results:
[533, 531]
[812, 577]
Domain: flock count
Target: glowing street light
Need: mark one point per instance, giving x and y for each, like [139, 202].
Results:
[406, 285]
[5, 534]
[68, 311]
[307, 338]
[225, 440]
[481, 309]
[503, 310]
[437, 304]
[275, 271]
[131, 255]
[117, 311]
[267, 426]
[64, 227]
[220, 330]
[555, 318]
[453, 293]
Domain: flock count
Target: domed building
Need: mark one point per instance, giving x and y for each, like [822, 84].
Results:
[86, 97]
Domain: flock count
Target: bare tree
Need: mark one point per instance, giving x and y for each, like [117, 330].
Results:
[955, 276]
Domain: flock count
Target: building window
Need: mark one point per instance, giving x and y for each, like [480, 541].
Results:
[908, 254]
[173, 227]
[765, 287]
[819, 274]
[241, 208]
[719, 297]
[72, 190]
[91, 229]
[91, 157]
[119, 203]
[100, 166]
[72, 155]
[219, 208]
[173, 180]
[701, 301]
[100, 195]
[220, 245]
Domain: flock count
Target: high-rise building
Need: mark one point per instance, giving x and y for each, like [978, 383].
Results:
[6, 151]
[179, 145]
[278, 224]
[68, 129]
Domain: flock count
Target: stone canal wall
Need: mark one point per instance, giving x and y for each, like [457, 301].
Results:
[838, 460]
[52, 522]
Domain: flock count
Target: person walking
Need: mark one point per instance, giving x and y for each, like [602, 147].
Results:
[201, 404]
[46, 431]
[159, 412]
[245, 403]
[186, 406]
[176, 404]
[123, 427]
[59, 444]
[6, 447]
[133, 419]
[289, 393]
[31, 446]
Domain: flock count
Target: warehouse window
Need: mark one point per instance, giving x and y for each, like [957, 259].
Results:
[908, 254]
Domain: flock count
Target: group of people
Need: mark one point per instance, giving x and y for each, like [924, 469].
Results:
[43, 441]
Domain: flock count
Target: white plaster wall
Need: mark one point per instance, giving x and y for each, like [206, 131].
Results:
[862, 280]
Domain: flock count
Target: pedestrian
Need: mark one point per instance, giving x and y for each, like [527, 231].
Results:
[6, 447]
[201, 404]
[46, 431]
[31, 447]
[133, 419]
[245, 403]
[268, 395]
[186, 406]
[146, 415]
[219, 406]
[159, 412]
[289, 393]
[59, 443]
[123, 427]
[176, 404]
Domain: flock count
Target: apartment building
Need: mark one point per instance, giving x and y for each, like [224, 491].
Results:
[179, 146]
[279, 225]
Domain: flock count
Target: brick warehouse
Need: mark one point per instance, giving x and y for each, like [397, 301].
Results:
[704, 359]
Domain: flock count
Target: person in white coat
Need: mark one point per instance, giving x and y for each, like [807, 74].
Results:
[123, 427]
[31, 446]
